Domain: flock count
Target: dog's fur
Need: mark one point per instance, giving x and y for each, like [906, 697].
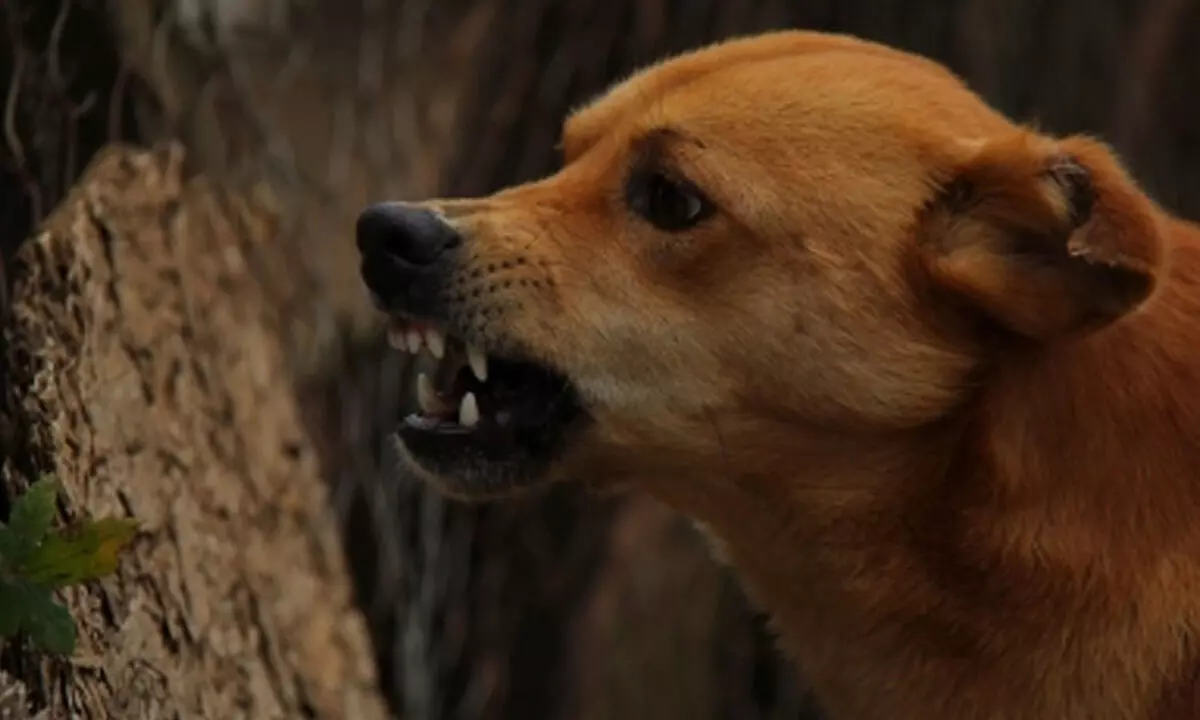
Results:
[927, 377]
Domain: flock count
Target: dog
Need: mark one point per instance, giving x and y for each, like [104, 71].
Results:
[927, 377]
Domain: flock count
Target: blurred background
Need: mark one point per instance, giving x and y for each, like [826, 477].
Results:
[560, 605]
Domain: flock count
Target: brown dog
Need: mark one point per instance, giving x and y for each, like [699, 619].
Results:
[930, 380]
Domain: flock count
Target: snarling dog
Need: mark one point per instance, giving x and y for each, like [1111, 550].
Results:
[929, 378]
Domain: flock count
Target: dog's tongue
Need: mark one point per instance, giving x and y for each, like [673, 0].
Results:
[462, 408]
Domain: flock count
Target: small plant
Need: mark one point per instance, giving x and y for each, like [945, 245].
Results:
[36, 559]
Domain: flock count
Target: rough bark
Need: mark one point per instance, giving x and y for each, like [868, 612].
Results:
[144, 370]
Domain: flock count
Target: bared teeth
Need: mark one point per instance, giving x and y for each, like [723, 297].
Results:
[413, 340]
[468, 411]
[406, 337]
[478, 362]
[436, 342]
[395, 335]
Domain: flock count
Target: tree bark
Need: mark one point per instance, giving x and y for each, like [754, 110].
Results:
[144, 369]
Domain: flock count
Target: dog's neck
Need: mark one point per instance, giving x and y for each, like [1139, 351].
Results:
[937, 541]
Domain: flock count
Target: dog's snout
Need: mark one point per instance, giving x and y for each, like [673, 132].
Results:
[414, 235]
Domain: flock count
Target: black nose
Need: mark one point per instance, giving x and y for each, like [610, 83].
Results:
[414, 235]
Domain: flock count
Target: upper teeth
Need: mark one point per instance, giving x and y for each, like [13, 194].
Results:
[413, 341]
[396, 336]
[402, 337]
[478, 362]
[436, 342]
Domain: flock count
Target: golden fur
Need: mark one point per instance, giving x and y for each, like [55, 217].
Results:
[929, 377]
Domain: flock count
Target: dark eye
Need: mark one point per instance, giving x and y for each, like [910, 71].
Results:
[666, 203]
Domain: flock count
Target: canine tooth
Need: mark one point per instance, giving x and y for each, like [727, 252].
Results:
[395, 336]
[436, 342]
[426, 397]
[413, 339]
[468, 411]
[478, 362]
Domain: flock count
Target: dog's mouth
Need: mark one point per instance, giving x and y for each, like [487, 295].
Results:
[481, 416]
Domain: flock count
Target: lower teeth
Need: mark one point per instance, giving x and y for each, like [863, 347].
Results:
[468, 411]
[432, 405]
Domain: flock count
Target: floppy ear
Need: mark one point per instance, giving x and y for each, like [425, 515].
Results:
[1046, 237]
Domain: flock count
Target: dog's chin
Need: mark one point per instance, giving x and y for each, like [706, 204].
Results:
[464, 472]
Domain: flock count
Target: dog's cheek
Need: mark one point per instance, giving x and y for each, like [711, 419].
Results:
[702, 264]
[839, 359]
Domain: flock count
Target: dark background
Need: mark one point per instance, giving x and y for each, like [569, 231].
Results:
[560, 606]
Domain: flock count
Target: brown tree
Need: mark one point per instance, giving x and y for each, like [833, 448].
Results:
[187, 342]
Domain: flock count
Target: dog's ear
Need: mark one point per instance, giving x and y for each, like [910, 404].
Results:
[1046, 237]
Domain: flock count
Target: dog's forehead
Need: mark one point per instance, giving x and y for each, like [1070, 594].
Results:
[847, 86]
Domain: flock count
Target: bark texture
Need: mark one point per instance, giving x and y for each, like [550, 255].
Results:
[143, 370]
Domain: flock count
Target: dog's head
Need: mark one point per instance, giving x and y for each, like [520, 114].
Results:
[795, 233]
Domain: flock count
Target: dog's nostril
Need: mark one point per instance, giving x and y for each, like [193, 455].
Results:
[414, 235]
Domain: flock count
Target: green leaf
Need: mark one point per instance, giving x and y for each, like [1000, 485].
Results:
[48, 624]
[11, 608]
[80, 553]
[29, 608]
[33, 513]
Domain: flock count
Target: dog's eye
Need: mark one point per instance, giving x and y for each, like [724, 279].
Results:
[668, 204]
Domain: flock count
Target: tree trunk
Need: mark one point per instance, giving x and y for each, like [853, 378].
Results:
[552, 607]
[144, 368]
